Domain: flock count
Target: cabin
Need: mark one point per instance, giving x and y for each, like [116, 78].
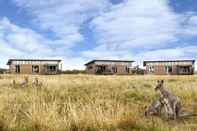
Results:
[170, 67]
[34, 66]
[109, 67]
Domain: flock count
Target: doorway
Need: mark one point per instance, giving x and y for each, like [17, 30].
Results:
[168, 69]
[17, 69]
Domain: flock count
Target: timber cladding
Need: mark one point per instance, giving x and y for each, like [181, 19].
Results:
[27, 69]
[34, 66]
[175, 67]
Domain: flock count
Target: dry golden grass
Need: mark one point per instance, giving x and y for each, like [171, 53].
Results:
[91, 103]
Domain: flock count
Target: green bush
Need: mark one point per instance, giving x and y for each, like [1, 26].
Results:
[74, 72]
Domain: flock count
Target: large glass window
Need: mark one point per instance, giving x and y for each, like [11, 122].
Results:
[35, 69]
[184, 69]
[151, 69]
[127, 69]
[168, 69]
[51, 68]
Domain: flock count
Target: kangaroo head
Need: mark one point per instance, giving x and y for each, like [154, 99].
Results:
[159, 85]
[36, 79]
[26, 79]
[150, 111]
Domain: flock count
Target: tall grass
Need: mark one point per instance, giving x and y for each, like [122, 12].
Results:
[91, 103]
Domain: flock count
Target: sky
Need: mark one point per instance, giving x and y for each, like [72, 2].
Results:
[78, 31]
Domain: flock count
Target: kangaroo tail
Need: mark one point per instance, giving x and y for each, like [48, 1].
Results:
[187, 114]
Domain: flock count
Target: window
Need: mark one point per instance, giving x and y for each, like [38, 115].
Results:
[89, 67]
[114, 68]
[35, 69]
[127, 69]
[168, 69]
[185, 69]
[51, 68]
[17, 68]
[151, 69]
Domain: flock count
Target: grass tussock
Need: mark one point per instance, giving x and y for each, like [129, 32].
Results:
[91, 103]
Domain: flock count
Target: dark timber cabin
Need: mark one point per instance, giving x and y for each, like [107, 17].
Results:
[170, 67]
[109, 67]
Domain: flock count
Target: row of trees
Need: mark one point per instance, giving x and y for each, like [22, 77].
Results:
[74, 72]
[2, 71]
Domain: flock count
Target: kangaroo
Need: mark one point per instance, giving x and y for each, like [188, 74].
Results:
[36, 83]
[155, 107]
[14, 84]
[24, 83]
[172, 103]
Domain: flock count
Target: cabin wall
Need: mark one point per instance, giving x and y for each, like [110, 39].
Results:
[91, 68]
[161, 69]
[158, 70]
[121, 68]
[174, 70]
[27, 69]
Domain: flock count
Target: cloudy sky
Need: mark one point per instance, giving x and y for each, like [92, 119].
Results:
[81, 30]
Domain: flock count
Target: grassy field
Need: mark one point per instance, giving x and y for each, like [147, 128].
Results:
[91, 103]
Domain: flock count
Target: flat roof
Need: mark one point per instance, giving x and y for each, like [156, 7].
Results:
[144, 63]
[108, 61]
[10, 60]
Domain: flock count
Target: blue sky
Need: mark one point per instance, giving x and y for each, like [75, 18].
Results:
[77, 31]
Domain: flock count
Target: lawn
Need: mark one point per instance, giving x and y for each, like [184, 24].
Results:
[91, 103]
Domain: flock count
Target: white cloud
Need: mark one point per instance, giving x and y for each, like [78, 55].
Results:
[63, 17]
[169, 53]
[6, 50]
[133, 29]
[137, 24]
[193, 20]
[18, 42]
[190, 27]
[140, 29]
[102, 52]
[22, 39]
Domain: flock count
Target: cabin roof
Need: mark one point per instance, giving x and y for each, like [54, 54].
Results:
[154, 61]
[108, 61]
[10, 60]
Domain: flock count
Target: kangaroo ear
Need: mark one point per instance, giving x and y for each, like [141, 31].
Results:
[162, 81]
[158, 81]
